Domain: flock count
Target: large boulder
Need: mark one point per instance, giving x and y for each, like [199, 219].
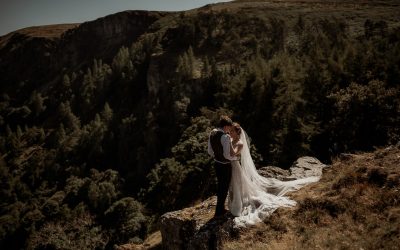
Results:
[195, 227]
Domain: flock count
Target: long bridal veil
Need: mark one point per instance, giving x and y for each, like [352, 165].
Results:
[254, 197]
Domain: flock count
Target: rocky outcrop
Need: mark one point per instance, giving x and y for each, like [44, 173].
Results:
[305, 166]
[195, 227]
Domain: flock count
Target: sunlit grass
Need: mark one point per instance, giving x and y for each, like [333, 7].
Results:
[356, 205]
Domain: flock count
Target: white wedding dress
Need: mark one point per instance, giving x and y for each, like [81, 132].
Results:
[253, 197]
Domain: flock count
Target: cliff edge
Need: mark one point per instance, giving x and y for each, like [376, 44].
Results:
[195, 227]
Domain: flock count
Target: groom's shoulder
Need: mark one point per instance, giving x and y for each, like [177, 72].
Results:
[214, 131]
[225, 135]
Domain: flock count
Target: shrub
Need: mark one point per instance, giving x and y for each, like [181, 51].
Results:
[125, 220]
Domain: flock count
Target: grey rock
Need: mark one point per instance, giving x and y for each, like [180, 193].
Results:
[274, 172]
[305, 166]
[195, 227]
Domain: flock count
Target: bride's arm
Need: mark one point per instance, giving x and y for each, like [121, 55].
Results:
[239, 149]
[236, 152]
[232, 150]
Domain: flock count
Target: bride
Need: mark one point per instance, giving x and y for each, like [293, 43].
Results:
[253, 197]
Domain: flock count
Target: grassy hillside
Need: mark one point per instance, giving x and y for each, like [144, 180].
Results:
[355, 206]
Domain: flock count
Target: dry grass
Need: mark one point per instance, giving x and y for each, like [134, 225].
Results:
[153, 242]
[49, 31]
[353, 12]
[356, 205]
[46, 31]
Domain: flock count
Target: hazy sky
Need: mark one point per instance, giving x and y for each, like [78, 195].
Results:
[16, 14]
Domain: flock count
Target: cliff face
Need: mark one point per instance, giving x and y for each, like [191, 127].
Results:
[103, 37]
[39, 54]
[24, 58]
[195, 227]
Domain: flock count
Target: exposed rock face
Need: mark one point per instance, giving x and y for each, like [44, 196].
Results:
[103, 37]
[41, 54]
[195, 227]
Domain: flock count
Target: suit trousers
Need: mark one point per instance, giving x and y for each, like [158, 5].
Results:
[223, 172]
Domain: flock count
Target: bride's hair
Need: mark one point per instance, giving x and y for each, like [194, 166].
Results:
[237, 128]
[224, 120]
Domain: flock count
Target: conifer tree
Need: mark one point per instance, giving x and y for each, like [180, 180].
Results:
[107, 113]
[66, 81]
[8, 131]
[19, 132]
[186, 64]
[60, 135]
[37, 103]
[206, 67]
[121, 60]
[68, 118]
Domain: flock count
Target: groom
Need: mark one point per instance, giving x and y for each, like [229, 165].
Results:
[219, 148]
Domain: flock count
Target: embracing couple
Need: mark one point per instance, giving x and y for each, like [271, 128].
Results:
[252, 197]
